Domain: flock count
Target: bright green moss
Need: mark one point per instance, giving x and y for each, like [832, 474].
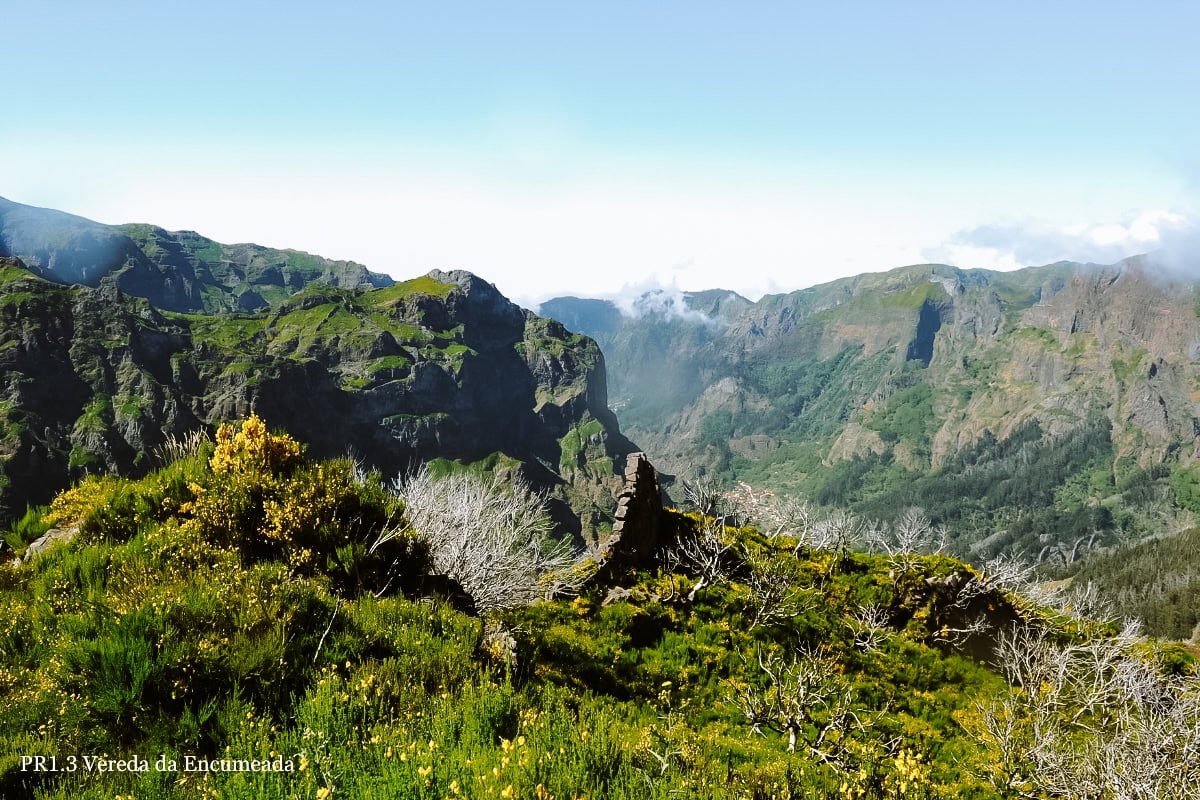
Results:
[576, 442]
[11, 272]
[15, 298]
[392, 294]
[390, 363]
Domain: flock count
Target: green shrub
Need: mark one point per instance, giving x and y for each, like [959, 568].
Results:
[265, 499]
[31, 525]
[189, 619]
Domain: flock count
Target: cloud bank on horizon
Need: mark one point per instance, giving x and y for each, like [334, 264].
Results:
[1171, 238]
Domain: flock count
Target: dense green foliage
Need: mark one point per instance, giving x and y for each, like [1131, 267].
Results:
[224, 607]
[1048, 499]
[1015, 486]
[1156, 581]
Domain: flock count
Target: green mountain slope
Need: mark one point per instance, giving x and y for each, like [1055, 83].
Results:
[232, 608]
[656, 347]
[1027, 410]
[438, 367]
[176, 271]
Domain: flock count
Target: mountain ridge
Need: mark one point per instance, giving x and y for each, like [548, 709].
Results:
[863, 390]
[176, 270]
[441, 367]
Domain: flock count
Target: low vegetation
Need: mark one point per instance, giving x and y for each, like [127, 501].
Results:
[244, 603]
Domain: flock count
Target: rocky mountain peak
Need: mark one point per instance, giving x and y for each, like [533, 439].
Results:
[94, 378]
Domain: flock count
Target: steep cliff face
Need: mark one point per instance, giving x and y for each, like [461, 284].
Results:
[441, 366]
[1117, 342]
[176, 271]
[657, 344]
[869, 383]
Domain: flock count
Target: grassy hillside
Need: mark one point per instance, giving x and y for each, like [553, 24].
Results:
[247, 603]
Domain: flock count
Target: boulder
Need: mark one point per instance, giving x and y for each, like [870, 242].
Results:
[48, 540]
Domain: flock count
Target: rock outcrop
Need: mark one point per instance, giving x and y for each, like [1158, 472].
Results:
[443, 366]
[49, 540]
[635, 537]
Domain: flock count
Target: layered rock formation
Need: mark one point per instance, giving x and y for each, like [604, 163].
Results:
[917, 364]
[93, 379]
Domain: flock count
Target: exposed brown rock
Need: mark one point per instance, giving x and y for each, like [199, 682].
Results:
[635, 533]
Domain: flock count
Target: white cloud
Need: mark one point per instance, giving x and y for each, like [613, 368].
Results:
[539, 230]
[1033, 242]
[653, 297]
[533, 243]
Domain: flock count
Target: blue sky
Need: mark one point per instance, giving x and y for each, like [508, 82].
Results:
[586, 147]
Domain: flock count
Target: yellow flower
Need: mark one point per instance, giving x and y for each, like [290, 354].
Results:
[324, 792]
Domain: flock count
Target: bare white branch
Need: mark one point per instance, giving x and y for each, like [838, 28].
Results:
[775, 596]
[1092, 719]
[492, 537]
[805, 700]
[705, 496]
[869, 625]
[176, 447]
[709, 555]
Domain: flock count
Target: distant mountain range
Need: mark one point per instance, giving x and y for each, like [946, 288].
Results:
[175, 270]
[1047, 410]
[1051, 411]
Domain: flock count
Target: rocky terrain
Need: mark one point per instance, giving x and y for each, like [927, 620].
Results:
[94, 379]
[851, 391]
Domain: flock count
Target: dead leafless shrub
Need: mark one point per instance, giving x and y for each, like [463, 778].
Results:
[805, 699]
[1091, 719]
[492, 537]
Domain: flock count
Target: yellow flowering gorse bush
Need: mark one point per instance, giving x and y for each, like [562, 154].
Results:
[313, 516]
[253, 450]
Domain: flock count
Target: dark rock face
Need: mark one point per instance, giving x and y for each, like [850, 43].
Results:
[635, 535]
[929, 322]
[92, 380]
